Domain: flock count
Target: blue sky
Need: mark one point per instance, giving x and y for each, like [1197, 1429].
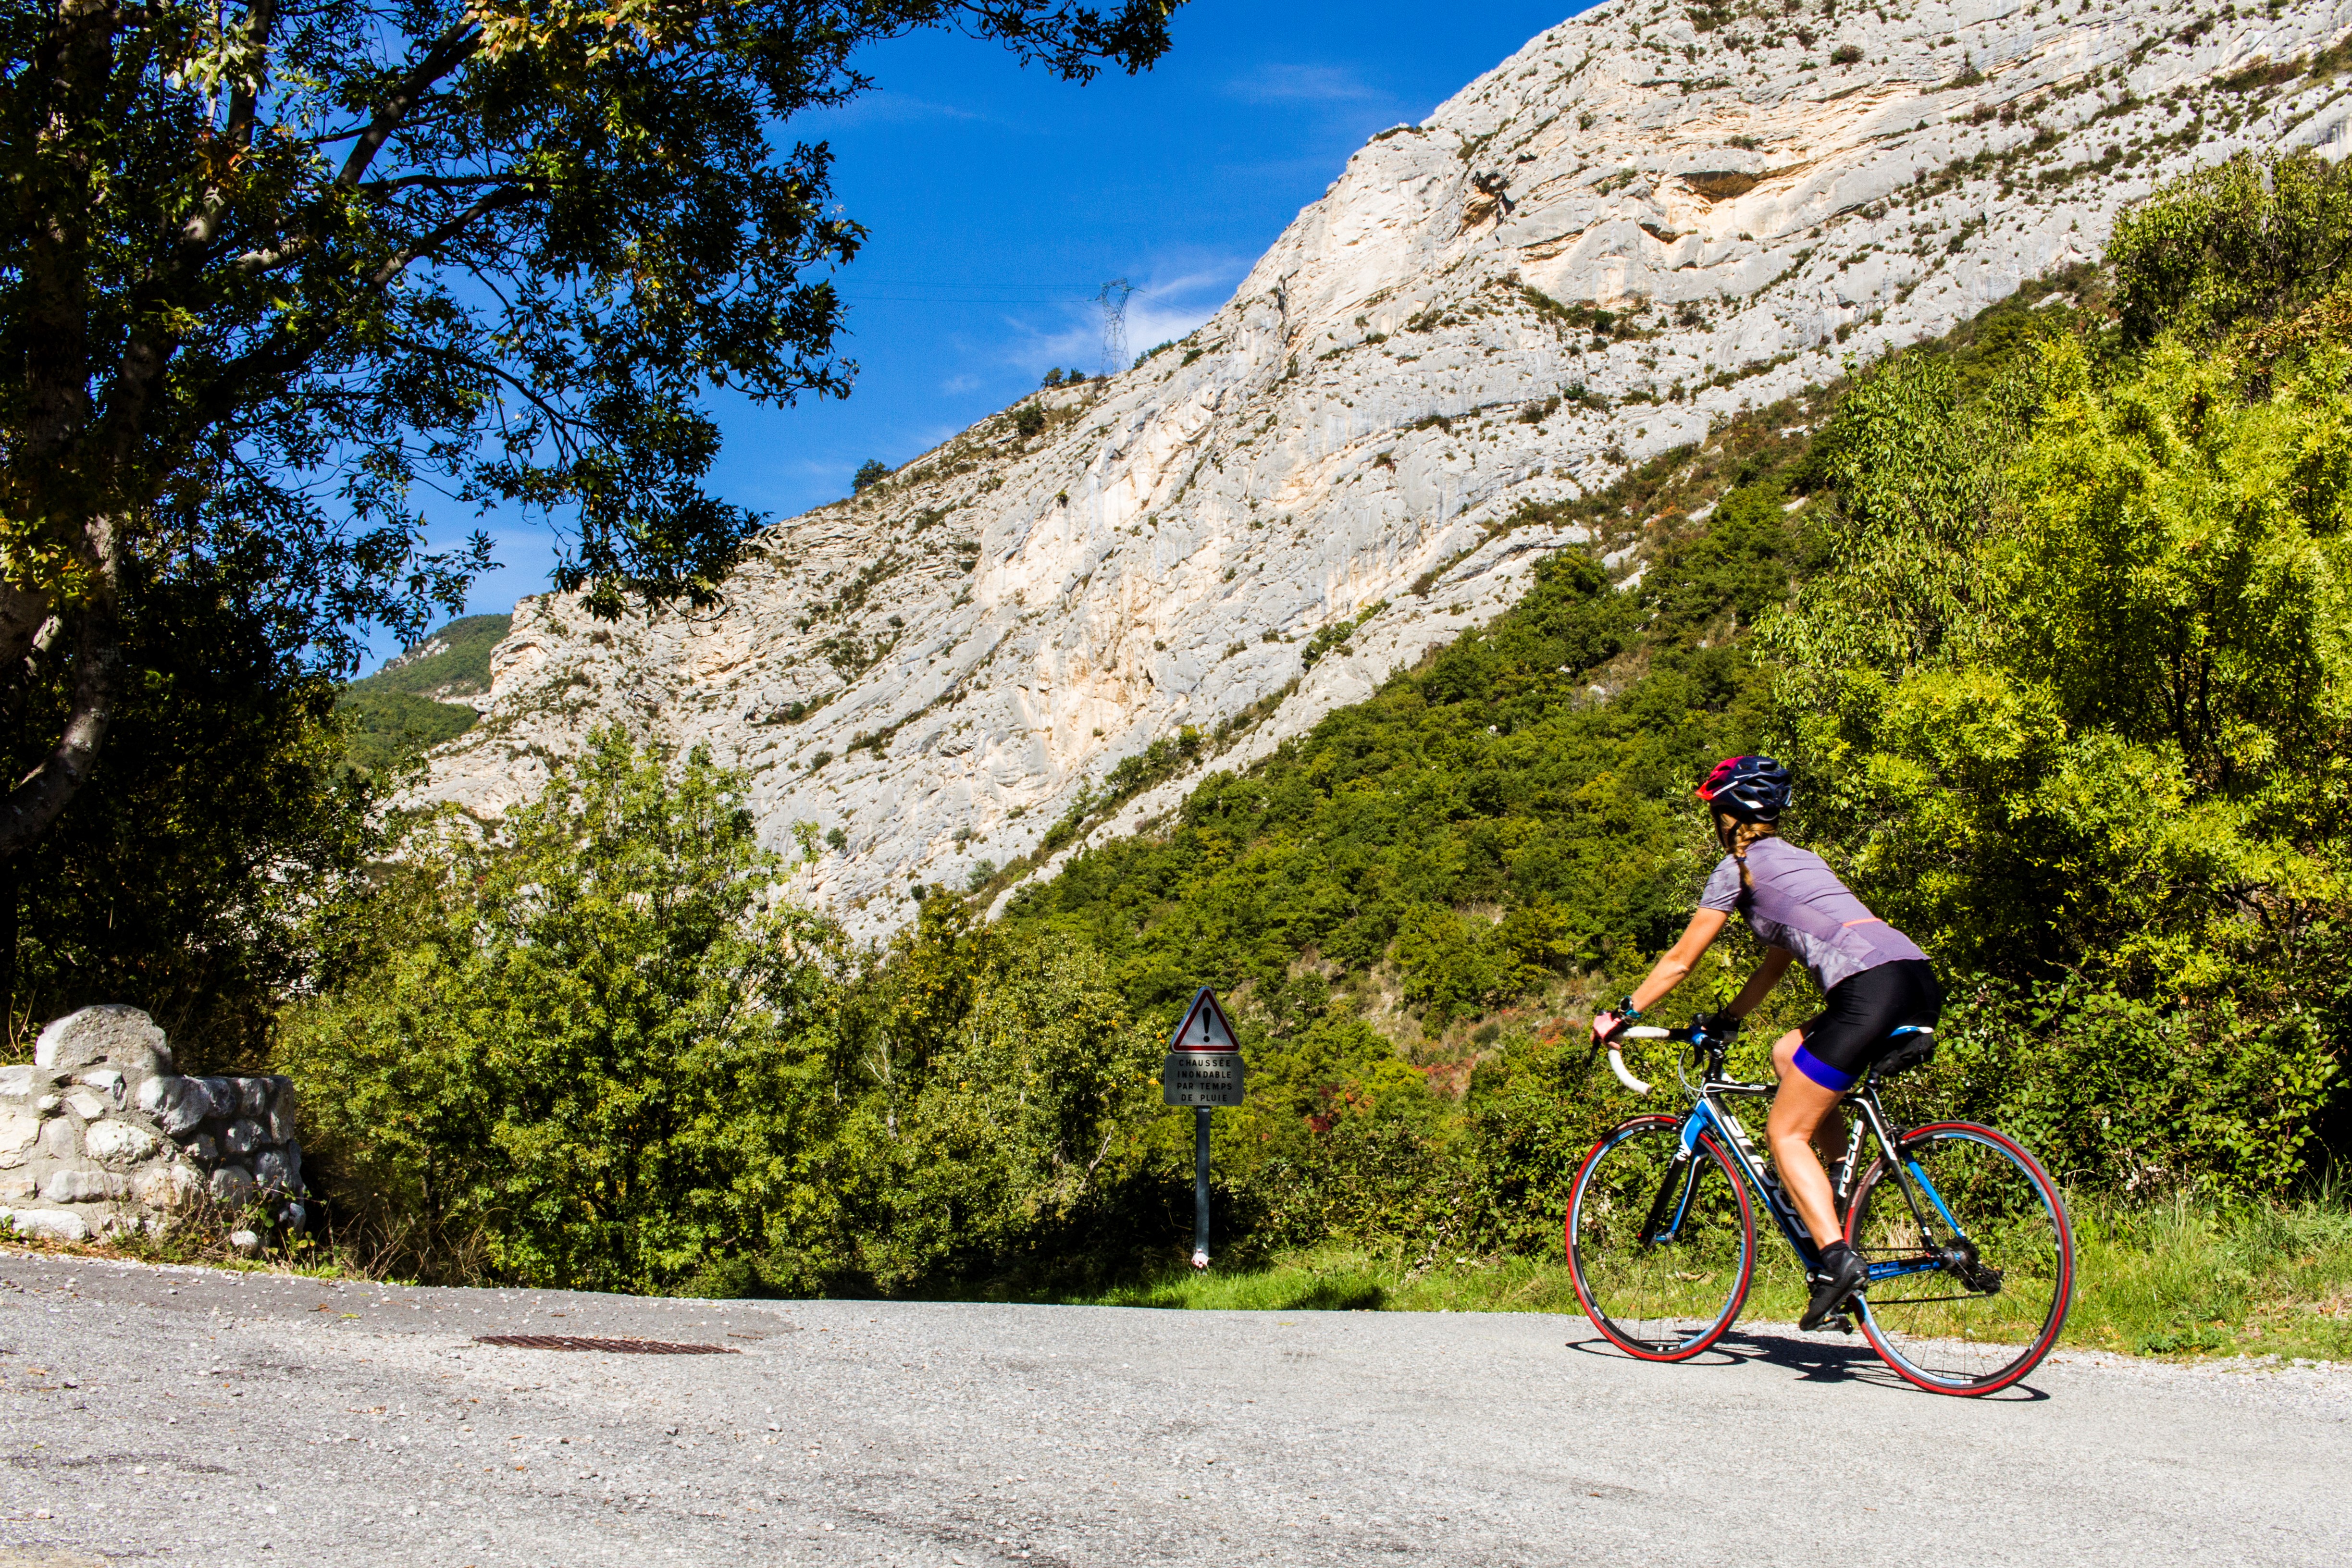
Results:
[999, 199]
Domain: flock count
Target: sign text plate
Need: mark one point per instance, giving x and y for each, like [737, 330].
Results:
[1201, 1078]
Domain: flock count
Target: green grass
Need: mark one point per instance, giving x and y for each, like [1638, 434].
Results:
[2180, 1282]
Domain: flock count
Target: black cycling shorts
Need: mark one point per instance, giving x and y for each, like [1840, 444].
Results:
[1860, 1013]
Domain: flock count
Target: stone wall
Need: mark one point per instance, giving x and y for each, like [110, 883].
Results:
[98, 1134]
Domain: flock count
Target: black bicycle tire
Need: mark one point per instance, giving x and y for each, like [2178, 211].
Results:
[2062, 1300]
[1746, 1274]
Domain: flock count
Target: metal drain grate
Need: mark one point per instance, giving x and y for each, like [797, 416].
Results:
[616, 1346]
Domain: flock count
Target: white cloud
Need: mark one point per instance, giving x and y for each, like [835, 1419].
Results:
[1303, 84]
[1168, 302]
[880, 105]
[1149, 325]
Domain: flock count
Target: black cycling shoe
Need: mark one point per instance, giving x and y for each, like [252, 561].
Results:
[1841, 1275]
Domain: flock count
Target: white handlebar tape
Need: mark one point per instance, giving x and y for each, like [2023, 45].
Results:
[1617, 1066]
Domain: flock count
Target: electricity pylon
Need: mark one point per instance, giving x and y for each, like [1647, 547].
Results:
[1113, 299]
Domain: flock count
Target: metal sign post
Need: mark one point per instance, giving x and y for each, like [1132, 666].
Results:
[1203, 1070]
[1200, 1186]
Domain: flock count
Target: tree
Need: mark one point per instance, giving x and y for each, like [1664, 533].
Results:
[869, 473]
[2247, 239]
[181, 876]
[271, 267]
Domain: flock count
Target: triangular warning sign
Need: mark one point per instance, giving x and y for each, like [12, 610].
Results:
[1205, 1026]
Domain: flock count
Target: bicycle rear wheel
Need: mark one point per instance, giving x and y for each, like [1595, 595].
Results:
[1972, 1260]
[1661, 1246]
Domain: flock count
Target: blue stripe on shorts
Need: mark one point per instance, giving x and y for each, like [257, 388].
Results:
[1822, 1073]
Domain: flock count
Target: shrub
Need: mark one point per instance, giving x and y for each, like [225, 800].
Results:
[870, 473]
[574, 1049]
[1846, 55]
[2253, 237]
[2146, 1098]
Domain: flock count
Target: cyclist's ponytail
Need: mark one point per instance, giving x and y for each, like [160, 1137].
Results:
[1738, 837]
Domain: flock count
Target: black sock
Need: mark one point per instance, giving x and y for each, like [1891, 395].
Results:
[1833, 1256]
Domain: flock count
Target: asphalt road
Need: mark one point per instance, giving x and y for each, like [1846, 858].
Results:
[182, 1417]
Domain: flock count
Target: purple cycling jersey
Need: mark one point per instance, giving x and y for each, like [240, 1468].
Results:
[1799, 904]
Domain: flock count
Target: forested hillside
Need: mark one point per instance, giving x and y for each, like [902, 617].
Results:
[404, 708]
[2050, 618]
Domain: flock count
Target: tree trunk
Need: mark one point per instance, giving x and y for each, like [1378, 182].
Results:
[8, 956]
[43, 793]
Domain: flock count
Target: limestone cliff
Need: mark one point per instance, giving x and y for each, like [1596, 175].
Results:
[1648, 218]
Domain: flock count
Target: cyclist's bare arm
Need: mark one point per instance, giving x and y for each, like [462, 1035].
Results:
[1760, 984]
[1673, 966]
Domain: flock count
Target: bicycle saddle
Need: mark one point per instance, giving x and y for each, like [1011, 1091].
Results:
[1917, 1050]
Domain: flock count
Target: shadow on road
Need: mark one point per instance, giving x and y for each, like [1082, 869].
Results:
[1813, 1361]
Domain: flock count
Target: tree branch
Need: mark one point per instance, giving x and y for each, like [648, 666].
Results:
[435, 238]
[453, 49]
[22, 616]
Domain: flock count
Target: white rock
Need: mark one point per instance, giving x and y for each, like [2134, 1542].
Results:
[49, 1223]
[241, 1138]
[87, 1103]
[18, 1081]
[62, 1139]
[166, 1185]
[176, 1104]
[118, 1143]
[82, 1186]
[109, 1082]
[111, 1036]
[1035, 613]
[247, 1243]
[18, 1133]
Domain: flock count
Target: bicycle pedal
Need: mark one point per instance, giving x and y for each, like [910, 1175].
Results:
[1839, 1321]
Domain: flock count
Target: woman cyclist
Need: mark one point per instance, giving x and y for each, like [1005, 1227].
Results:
[1873, 981]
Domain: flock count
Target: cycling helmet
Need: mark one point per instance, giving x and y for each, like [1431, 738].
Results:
[1752, 788]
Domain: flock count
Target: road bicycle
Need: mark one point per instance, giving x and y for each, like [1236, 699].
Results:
[1971, 1258]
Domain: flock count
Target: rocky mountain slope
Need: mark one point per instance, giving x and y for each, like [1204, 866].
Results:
[1651, 217]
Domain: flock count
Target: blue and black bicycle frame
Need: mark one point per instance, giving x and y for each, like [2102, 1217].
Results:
[1944, 1244]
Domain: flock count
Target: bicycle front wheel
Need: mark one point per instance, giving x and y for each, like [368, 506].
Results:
[1661, 1240]
[1971, 1258]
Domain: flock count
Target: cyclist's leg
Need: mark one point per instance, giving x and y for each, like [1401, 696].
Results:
[1829, 1139]
[1820, 1061]
[1798, 1108]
